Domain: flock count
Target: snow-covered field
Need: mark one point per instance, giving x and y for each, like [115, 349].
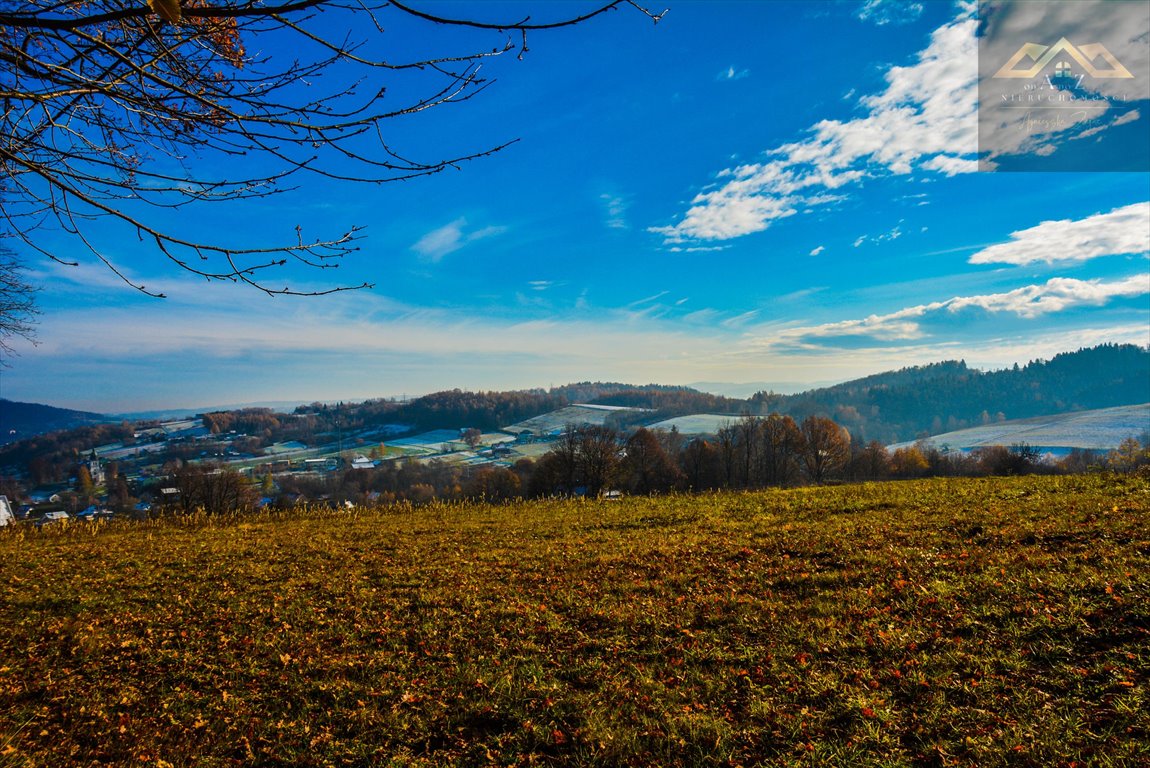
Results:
[576, 415]
[696, 424]
[439, 440]
[1099, 430]
[429, 442]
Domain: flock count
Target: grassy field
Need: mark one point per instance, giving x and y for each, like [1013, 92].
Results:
[965, 622]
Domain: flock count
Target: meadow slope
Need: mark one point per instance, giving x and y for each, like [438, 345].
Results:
[968, 622]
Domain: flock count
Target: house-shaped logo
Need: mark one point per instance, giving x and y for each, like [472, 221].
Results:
[1042, 55]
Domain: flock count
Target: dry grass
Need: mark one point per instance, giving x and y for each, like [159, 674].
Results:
[967, 622]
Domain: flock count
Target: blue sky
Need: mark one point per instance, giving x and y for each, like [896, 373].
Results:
[780, 192]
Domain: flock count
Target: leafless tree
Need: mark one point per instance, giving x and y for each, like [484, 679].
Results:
[109, 105]
[17, 304]
[826, 447]
[213, 490]
[473, 437]
[599, 454]
[646, 467]
[700, 462]
[564, 461]
[782, 444]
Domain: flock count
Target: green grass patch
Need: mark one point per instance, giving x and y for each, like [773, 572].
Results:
[945, 622]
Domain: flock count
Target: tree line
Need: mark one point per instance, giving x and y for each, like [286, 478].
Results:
[753, 452]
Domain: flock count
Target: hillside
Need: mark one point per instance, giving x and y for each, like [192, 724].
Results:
[555, 422]
[889, 407]
[948, 396]
[21, 420]
[983, 622]
[1097, 430]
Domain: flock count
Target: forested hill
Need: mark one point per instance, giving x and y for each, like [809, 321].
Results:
[20, 420]
[905, 404]
[889, 407]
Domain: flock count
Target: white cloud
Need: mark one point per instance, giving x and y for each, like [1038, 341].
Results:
[951, 165]
[882, 12]
[1055, 295]
[1128, 117]
[439, 242]
[449, 238]
[818, 250]
[1124, 230]
[924, 119]
[1029, 302]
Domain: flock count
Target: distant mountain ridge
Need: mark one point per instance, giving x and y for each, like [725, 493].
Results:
[20, 420]
[283, 406]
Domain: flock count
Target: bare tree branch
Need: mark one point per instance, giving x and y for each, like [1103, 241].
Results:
[107, 111]
[17, 304]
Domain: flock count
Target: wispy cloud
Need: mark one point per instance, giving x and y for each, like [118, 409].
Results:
[616, 206]
[730, 73]
[1126, 117]
[818, 250]
[741, 320]
[96, 281]
[647, 300]
[925, 119]
[697, 248]
[894, 234]
[436, 244]
[1123, 230]
[883, 12]
[702, 316]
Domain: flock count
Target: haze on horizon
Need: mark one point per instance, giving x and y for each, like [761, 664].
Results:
[710, 199]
